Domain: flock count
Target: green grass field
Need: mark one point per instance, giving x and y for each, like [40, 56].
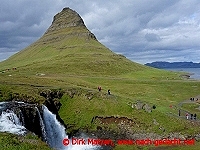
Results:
[155, 87]
[10, 141]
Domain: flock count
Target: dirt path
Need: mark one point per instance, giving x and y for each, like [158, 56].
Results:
[182, 113]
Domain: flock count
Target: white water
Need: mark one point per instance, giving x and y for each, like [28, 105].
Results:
[9, 122]
[53, 132]
[44, 134]
[22, 118]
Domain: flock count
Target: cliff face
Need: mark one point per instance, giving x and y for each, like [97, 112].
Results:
[53, 102]
[65, 19]
[66, 24]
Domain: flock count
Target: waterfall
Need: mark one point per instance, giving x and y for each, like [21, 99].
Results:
[21, 117]
[9, 122]
[44, 134]
[55, 132]
[13, 120]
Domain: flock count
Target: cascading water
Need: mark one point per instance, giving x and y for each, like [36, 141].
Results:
[44, 134]
[52, 131]
[9, 122]
[55, 132]
[21, 116]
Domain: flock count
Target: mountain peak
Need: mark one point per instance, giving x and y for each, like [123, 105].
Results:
[67, 24]
[68, 47]
[65, 19]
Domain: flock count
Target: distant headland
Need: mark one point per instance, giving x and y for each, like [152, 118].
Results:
[163, 64]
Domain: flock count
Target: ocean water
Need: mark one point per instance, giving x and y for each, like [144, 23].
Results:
[195, 72]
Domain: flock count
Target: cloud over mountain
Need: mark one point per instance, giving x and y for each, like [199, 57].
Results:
[145, 31]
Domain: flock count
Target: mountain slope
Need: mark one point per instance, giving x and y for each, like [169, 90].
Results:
[68, 46]
[68, 57]
[68, 54]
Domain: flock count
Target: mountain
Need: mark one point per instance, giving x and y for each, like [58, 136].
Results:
[163, 64]
[65, 66]
[69, 47]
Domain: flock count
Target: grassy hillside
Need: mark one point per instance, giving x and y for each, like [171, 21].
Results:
[72, 60]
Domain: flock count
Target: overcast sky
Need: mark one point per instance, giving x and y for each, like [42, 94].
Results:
[142, 30]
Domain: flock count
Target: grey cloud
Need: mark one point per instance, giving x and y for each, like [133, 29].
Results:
[166, 55]
[151, 37]
[142, 30]
[22, 22]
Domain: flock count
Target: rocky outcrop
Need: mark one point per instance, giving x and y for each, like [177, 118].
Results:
[23, 97]
[125, 130]
[142, 105]
[52, 102]
[66, 20]
[52, 99]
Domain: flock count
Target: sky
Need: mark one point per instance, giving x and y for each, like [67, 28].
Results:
[142, 30]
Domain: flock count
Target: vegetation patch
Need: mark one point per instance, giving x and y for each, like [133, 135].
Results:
[9, 141]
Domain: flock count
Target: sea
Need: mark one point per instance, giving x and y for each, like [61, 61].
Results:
[194, 72]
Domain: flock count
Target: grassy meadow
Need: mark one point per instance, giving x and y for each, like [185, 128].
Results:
[155, 87]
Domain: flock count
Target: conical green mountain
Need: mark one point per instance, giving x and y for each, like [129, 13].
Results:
[69, 47]
[68, 57]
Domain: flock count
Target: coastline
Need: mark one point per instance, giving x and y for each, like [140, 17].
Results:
[187, 73]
